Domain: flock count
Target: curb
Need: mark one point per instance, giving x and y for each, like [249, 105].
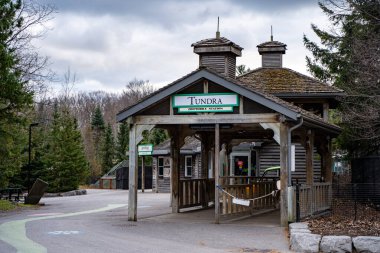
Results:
[302, 240]
[65, 194]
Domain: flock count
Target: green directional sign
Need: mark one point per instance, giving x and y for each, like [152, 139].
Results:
[145, 149]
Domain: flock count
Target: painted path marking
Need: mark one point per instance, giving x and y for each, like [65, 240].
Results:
[43, 214]
[72, 232]
[14, 232]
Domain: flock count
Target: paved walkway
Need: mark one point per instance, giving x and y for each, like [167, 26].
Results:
[260, 233]
[98, 223]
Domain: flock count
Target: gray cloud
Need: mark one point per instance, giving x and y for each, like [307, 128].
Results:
[108, 43]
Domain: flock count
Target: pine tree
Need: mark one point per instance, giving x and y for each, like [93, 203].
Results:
[122, 142]
[97, 128]
[156, 136]
[108, 151]
[15, 97]
[65, 163]
[348, 59]
[97, 121]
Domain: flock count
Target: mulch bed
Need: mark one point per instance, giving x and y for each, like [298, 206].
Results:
[342, 221]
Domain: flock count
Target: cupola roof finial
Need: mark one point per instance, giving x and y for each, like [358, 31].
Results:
[271, 33]
[217, 30]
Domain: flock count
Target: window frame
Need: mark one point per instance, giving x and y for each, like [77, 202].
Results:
[158, 166]
[187, 166]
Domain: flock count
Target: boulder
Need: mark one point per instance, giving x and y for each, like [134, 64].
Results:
[336, 244]
[298, 225]
[367, 244]
[304, 242]
[300, 230]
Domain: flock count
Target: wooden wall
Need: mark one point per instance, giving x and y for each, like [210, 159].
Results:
[270, 156]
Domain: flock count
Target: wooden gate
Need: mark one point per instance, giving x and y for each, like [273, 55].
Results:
[196, 192]
[247, 188]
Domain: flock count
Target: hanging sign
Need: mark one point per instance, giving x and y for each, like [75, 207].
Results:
[210, 102]
[241, 202]
[145, 149]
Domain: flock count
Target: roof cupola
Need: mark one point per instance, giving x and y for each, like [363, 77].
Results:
[218, 54]
[271, 53]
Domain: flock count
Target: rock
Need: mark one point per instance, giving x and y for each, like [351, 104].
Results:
[70, 193]
[81, 192]
[300, 230]
[368, 244]
[304, 242]
[298, 225]
[336, 244]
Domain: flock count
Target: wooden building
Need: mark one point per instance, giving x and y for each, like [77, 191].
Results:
[190, 164]
[282, 112]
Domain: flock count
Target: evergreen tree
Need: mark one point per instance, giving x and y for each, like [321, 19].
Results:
[242, 69]
[349, 59]
[97, 128]
[15, 97]
[65, 163]
[97, 121]
[156, 136]
[122, 142]
[108, 152]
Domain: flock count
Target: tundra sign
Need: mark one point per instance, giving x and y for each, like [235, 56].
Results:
[211, 102]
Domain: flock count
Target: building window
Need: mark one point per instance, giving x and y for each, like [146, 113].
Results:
[188, 166]
[160, 166]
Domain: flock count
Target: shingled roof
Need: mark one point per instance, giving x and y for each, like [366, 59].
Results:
[191, 146]
[245, 85]
[271, 44]
[222, 41]
[285, 81]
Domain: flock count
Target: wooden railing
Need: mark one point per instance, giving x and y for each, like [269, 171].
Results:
[196, 192]
[247, 191]
[313, 199]
[233, 180]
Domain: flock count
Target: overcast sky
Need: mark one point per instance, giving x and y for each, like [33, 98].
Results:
[107, 43]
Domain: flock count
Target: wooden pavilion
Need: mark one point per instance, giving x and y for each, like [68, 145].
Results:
[271, 104]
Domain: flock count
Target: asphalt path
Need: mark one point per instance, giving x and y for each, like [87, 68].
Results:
[98, 222]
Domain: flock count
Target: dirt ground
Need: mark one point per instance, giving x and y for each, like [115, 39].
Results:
[342, 222]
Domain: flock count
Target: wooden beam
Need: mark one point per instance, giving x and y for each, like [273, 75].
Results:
[139, 131]
[142, 174]
[284, 174]
[205, 86]
[328, 162]
[276, 130]
[174, 172]
[156, 171]
[133, 169]
[326, 112]
[310, 157]
[241, 105]
[206, 119]
[217, 180]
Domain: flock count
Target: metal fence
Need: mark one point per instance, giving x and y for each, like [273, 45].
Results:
[353, 201]
[356, 201]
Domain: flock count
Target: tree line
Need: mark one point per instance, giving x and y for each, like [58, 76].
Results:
[74, 137]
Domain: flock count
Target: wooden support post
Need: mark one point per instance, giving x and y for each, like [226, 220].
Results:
[155, 162]
[174, 172]
[142, 174]
[284, 173]
[326, 112]
[204, 167]
[133, 174]
[310, 157]
[217, 170]
[328, 161]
